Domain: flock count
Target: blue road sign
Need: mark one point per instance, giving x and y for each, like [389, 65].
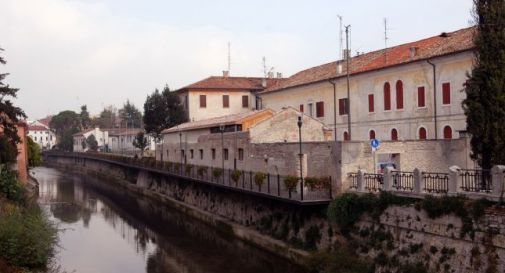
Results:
[374, 143]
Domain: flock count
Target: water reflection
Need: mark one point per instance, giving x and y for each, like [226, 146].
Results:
[108, 230]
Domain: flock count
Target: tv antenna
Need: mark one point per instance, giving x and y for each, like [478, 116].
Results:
[340, 37]
[386, 40]
[229, 57]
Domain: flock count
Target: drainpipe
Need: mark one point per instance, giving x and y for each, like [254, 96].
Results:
[334, 109]
[434, 96]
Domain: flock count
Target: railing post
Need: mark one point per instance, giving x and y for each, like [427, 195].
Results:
[454, 180]
[361, 181]
[418, 181]
[388, 179]
[497, 173]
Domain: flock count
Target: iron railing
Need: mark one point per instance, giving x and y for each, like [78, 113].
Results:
[436, 182]
[403, 181]
[373, 182]
[273, 185]
[354, 180]
[475, 180]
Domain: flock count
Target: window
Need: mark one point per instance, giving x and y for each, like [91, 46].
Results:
[310, 109]
[342, 107]
[225, 154]
[320, 109]
[447, 132]
[421, 97]
[35, 138]
[245, 101]
[191, 154]
[226, 101]
[167, 153]
[201, 153]
[399, 95]
[446, 93]
[346, 136]
[240, 154]
[371, 134]
[394, 135]
[301, 108]
[387, 97]
[370, 103]
[183, 154]
[213, 154]
[422, 133]
[203, 101]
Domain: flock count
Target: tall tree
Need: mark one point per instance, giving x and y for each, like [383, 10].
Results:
[162, 111]
[108, 117]
[91, 143]
[10, 115]
[130, 115]
[485, 88]
[141, 142]
[64, 125]
[84, 117]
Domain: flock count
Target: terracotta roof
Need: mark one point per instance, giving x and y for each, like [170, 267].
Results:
[37, 128]
[233, 83]
[83, 132]
[45, 120]
[212, 122]
[443, 44]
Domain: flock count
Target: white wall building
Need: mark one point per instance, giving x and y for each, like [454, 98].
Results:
[410, 91]
[101, 136]
[42, 135]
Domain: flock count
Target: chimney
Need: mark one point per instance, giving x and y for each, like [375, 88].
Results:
[413, 52]
[339, 68]
[226, 73]
[264, 83]
[279, 75]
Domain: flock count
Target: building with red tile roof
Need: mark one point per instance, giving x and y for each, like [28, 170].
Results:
[409, 91]
[218, 96]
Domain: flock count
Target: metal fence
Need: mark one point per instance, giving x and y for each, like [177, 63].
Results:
[403, 181]
[265, 184]
[373, 182]
[436, 182]
[475, 180]
[354, 180]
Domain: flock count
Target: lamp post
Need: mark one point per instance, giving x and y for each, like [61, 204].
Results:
[300, 154]
[221, 129]
[180, 146]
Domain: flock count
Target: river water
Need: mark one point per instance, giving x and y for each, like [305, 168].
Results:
[105, 229]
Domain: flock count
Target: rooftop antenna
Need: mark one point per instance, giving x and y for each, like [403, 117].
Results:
[229, 57]
[386, 40]
[340, 38]
[264, 67]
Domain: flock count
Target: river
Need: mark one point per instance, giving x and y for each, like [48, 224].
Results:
[105, 229]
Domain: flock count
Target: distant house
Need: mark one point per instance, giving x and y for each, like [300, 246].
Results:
[101, 136]
[41, 134]
[221, 96]
[114, 140]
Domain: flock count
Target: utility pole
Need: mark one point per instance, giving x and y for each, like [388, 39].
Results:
[348, 64]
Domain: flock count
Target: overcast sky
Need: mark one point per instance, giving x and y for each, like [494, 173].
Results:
[63, 54]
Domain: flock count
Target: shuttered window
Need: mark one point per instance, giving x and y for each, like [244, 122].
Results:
[301, 108]
[371, 134]
[394, 135]
[203, 101]
[387, 97]
[399, 95]
[422, 133]
[421, 97]
[245, 101]
[226, 101]
[320, 109]
[342, 107]
[447, 132]
[446, 93]
[371, 103]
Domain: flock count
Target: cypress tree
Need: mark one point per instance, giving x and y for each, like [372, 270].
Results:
[485, 87]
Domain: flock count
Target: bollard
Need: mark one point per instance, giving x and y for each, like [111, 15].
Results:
[361, 182]
[388, 179]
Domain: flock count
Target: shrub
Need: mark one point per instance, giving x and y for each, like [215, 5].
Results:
[341, 259]
[10, 187]
[235, 175]
[318, 183]
[177, 167]
[27, 238]
[290, 182]
[259, 178]
[216, 173]
[201, 171]
[311, 182]
[188, 168]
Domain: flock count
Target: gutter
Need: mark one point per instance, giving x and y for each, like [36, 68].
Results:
[434, 95]
[334, 108]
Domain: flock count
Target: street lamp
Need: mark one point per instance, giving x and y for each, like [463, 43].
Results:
[221, 129]
[300, 154]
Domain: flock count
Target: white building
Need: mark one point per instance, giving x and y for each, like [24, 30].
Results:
[114, 140]
[40, 133]
[410, 91]
[101, 136]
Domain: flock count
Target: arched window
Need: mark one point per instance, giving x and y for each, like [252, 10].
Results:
[394, 135]
[422, 133]
[371, 134]
[387, 96]
[346, 136]
[399, 94]
[447, 132]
